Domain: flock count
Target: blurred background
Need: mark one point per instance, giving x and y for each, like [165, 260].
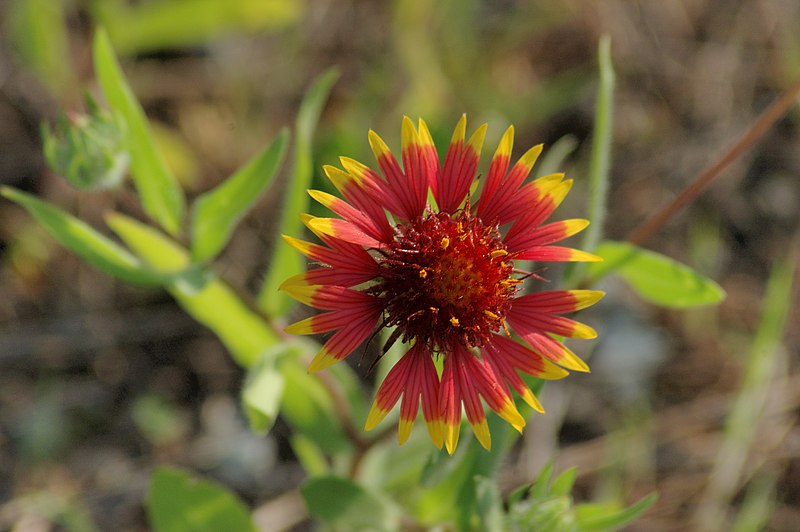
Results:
[100, 381]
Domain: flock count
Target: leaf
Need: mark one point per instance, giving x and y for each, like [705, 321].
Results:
[489, 504]
[155, 248]
[307, 407]
[161, 196]
[603, 517]
[263, 389]
[168, 24]
[206, 298]
[309, 455]
[286, 261]
[86, 242]
[177, 503]
[562, 485]
[341, 502]
[655, 277]
[216, 213]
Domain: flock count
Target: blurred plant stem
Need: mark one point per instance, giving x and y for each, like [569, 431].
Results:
[768, 118]
[758, 379]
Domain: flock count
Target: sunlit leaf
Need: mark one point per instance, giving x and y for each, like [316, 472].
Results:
[148, 26]
[37, 30]
[605, 517]
[285, 260]
[161, 196]
[655, 277]
[177, 503]
[562, 485]
[216, 213]
[77, 236]
[263, 389]
[341, 502]
[206, 298]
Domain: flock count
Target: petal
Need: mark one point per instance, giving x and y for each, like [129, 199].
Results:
[418, 163]
[344, 230]
[413, 375]
[543, 235]
[396, 183]
[557, 254]
[458, 170]
[363, 194]
[535, 202]
[558, 301]
[501, 200]
[546, 346]
[497, 170]
[355, 216]
[344, 341]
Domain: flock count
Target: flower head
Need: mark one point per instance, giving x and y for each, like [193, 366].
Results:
[440, 269]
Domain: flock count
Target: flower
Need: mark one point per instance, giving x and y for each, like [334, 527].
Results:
[440, 269]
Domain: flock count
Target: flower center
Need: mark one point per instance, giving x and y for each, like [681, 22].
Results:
[446, 281]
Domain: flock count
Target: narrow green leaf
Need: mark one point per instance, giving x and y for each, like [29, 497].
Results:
[206, 298]
[177, 503]
[541, 486]
[147, 26]
[589, 518]
[562, 485]
[341, 502]
[216, 213]
[489, 504]
[161, 196]
[758, 379]
[286, 261]
[655, 277]
[37, 31]
[80, 238]
[155, 248]
[601, 147]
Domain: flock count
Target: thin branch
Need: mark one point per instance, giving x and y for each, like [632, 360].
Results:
[764, 122]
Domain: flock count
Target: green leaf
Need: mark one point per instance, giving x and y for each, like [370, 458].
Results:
[37, 30]
[84, 241]
[169, 24]
[161, 196]
[655, 277]
[155, 248]
[307, 407]
[287, 261]
[207, 299]
[216, 213]
[177, 503]
[341, 502]
[263, 389]
[562, 485]
[604, 517]
[309, 455]
[489, 504]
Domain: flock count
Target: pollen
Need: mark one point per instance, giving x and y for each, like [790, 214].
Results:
[446, 281]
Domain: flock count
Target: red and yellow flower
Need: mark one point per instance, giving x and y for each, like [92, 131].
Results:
[440, 270]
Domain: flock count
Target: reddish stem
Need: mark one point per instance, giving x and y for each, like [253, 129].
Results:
[764, 122]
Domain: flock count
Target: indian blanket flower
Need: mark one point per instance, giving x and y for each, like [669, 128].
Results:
[410, 250]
